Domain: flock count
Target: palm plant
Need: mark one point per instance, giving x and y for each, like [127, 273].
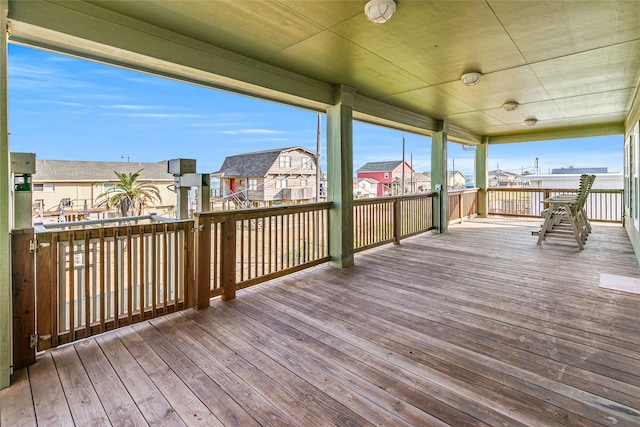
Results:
[129, 195]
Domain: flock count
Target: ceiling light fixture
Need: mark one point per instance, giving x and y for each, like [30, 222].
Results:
[379, 11]
[531, 122]
[471, 79]
[510, 106]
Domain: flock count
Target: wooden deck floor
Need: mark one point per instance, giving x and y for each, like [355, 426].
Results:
[476, 327]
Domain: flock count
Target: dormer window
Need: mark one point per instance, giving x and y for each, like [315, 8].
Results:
[285, 161]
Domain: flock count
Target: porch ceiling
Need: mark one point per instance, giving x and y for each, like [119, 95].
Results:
[574, 66]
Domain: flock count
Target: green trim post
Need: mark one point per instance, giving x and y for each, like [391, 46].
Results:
[340, 177]
[482, 178]
[439, 178]
[5, 211]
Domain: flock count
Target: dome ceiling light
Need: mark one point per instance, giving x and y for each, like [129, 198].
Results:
[379, 11]
[531, 122]
[510, 105]
[471, 79]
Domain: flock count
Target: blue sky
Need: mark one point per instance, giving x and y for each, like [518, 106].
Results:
[70, 109]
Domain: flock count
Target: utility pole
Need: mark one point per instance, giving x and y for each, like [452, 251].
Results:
[318, 162]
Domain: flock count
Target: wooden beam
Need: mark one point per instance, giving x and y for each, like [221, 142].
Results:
[340, 175]
[439, 176]
[482, 178]
[564, 133]
[5, 237]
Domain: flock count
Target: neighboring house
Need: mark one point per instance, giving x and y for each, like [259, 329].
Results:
[388, 175]
[69, 189]
[264, 178]
[365, 188]
[570, 179]
[456, 180]
[502, 178]
[420, 183]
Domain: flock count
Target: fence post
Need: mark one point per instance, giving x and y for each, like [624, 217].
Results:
[228, 258]
[545, 195]
[45, 283]
[189, 264]
[460, 207]
[24, 298]
[203, 261]
[397, 221]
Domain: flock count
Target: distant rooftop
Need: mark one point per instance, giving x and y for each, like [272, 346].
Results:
[578, 171]
[380, 166]
[254, 164]
[81, 170]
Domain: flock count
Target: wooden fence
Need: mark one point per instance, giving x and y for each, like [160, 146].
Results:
[602, 205]
[384, 220]
[237, 249]
[462, 204]
[93, 280]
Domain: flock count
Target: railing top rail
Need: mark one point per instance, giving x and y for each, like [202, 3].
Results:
[60, 226]
[390, 199]
[464, 190]
[552, 190]
[260, 212]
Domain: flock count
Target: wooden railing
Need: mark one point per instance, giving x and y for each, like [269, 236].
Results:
[237, 249]
[388, 219]
[462, 204]
[93, 280]
[602, 205]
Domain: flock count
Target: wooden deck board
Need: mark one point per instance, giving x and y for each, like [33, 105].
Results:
[479, 326]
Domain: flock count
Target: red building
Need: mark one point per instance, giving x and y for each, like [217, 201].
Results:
[389, 176]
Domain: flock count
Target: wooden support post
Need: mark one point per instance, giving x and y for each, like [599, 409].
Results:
[45, 282]
[5, 236]
[439, 176]
[482, 178]
[23, 298]
[340, 175]
[228, 258]
[189, 265]
[203, 261]
[397, 221]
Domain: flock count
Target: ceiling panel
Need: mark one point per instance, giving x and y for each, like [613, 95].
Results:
[518, 84]
[596, 71]
[595, 104]
[430, 101]
[550, 29]
[435, 41]
[329, 57]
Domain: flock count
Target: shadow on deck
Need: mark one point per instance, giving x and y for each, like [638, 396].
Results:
[479, 326]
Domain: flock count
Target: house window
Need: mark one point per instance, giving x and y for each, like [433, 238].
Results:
[303, 183]
[43, 187]
[253, 185]
[106, 187]
[285, 161]
[307, 163]
[386, 175]
[281, 183]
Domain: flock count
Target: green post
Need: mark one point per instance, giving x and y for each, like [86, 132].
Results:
[5, 236]
[439, 178]
[482, 178]
[340, 177]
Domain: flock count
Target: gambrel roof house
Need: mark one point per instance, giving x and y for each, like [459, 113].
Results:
[263, 177]
[254, 164]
